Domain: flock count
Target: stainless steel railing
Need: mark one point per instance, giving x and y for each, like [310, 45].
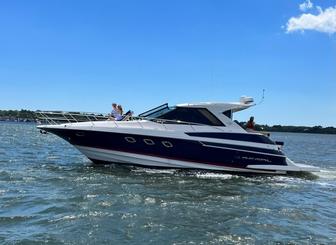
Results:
[58, 117]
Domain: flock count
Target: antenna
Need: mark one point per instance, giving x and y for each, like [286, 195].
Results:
[262, 98]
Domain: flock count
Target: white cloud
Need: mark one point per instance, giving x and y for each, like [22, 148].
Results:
[324, 21]
[306, 5]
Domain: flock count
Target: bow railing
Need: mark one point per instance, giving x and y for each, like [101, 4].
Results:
[59, 117]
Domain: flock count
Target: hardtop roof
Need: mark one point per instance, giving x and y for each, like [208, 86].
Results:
[222, 106]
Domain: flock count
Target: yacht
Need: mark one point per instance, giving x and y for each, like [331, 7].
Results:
[185, 136]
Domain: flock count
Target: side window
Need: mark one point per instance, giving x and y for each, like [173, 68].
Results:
[214, 121]
[228, 114]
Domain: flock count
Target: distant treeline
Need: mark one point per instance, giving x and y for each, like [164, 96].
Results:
[30, 116]
[300, 129]
[294, 129]
[15, 115]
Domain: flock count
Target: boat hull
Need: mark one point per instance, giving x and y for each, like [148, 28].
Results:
[102, 156]
[167, 152]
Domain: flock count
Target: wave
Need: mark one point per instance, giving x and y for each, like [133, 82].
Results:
[214, 176]
[154, 171]
[329, 174]
[82, 215]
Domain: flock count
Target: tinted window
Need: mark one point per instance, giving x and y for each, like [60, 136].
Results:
[192, 115]
[152, 112]
[228, 113]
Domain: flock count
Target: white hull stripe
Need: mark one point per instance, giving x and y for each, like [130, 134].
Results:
[236, 149]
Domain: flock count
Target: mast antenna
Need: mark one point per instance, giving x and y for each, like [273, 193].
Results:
[262, 97]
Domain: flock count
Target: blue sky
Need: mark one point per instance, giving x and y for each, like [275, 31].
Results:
[84, 55]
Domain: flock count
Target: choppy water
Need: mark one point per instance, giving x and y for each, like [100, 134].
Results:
[50, 193]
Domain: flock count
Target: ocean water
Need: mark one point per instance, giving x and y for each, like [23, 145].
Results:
[50, 193]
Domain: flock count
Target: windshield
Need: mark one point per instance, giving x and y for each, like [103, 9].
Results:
[157, 111]
[161, 113]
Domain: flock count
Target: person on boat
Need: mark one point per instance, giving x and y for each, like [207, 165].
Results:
[250, 125]
[119, 115]
[114, 112]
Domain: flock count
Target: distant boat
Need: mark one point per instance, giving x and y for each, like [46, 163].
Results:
[186, 136]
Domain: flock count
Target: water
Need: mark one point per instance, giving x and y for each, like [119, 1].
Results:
[50, 193]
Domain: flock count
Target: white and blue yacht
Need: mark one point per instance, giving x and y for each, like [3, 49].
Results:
[186, 136]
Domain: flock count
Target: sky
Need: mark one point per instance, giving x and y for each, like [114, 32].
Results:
[84, 55]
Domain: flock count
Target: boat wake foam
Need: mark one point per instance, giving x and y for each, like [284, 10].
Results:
[329, 174]
[214, 176]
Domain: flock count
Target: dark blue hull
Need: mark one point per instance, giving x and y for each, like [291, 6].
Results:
[225, 155]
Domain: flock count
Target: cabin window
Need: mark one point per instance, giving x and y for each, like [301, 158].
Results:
[130, 139]
[149, 142]
[167, 144]
[191, 115]
[80, 134]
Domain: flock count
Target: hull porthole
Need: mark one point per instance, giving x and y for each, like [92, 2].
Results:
[167, 144]
[130, 139]
[149, 142]
[80, 134]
